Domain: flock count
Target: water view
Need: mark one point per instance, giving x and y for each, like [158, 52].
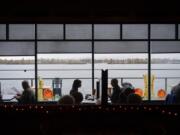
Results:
[11, 75]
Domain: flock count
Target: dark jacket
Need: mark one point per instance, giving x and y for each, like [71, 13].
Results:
[27, 97]
[72, 91]
[115, 95]
[124, 94]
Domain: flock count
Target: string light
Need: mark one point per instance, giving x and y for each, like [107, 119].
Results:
[169, 113]
[75, 108]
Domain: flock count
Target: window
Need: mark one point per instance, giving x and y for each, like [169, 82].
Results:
[125, 61]
[66, 52]
[21, 31]
[162, 31]
[78, 31]
[67, 61]
[107, 31]
[16, 64]
[165, 67]
[50, 31]
[2, 31]
[135, 31]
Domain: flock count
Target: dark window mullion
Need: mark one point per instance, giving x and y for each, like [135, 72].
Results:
[92, 57]
[176, 32]
[64, 31]
[149, 62]
[36, 66]
[7, 31]
[121, 32]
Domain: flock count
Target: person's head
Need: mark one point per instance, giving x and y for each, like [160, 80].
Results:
[66, 100]
[76, 84]
[25, 85]
[134, 99]
[78, 97]
[114, 82]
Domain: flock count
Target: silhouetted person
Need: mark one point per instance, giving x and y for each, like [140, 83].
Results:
[75, 86]
[66, 100]
[174, 96]
[0, 94]
[27, 95]
[134, 99]
[116, 91]
[127, 85]
[125, 93]
[78, 97]
[1, 98]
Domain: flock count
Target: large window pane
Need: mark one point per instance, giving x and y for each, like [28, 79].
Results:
[107, 31]
[64, 47]
[66, 67]
[131, 66]
[162, 31]
[13, 70]
[165, 70]
[2, 31]
[78, 31]
[135, 31]
[120, 47]
[21, 31]
[50, 31]
[17, 48]
[165, 46]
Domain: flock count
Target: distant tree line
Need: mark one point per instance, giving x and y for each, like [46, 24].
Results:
[86, 61]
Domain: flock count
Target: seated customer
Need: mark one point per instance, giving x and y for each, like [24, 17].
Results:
[124, 94]
[75, 86]
[116, 91]
[27, 96]
[174, 96]
[66, 100]
[1, 98]
[78, 97]
[134, 99]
